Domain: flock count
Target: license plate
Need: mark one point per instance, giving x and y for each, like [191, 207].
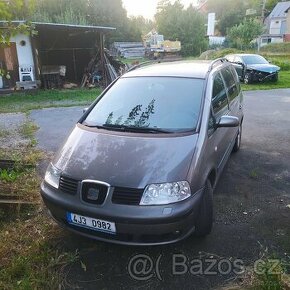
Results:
[91, 223]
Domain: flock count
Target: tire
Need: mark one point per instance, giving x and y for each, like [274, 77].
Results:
[248, 78]
[238, 140]
[204, 221]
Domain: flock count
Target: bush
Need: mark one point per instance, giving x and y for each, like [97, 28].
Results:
[213, 54]
[283, 48]
[283, 63]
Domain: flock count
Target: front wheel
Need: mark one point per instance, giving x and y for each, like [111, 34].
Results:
[248, 78]
[203, 224]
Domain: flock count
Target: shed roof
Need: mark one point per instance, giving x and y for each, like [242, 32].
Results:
[73, 26]
[280, 10]
[63, 26]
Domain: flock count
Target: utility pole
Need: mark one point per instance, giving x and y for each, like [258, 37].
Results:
[262, 21]
[263, 10]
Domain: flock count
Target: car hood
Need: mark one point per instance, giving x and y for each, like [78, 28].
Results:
[268, 68]
[126, 160]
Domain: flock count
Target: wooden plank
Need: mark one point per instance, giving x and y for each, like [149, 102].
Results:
[8, 201]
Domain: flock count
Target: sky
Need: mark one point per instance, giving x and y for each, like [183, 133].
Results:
[147, 8]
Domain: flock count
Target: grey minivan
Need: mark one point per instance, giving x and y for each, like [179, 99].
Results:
[141, 164]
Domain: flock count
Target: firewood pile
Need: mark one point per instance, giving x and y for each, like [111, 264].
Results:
[102, 70]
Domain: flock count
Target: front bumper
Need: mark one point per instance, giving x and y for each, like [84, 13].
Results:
[135, 225]
[260, 76]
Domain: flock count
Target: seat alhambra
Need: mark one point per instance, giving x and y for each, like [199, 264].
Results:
[141, 164]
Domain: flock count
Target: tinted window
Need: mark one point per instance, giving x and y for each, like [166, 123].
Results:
[155, 102]
[219, 95]
[236, 77]
[254, 59]
[230, 83]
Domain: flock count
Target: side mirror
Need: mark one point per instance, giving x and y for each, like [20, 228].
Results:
[228, 121]
[240, 63]
[85, 109]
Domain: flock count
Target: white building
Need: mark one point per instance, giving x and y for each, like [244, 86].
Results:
[278, 23]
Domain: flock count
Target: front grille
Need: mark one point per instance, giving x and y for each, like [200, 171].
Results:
[93, 192]
[130, 196]
[68, 185]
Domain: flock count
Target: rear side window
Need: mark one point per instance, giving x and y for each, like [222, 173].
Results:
[219, 96]
[231, 84]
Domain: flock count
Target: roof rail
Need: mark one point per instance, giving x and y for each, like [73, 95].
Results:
[214, 62]
[150, 62]
[144, 63]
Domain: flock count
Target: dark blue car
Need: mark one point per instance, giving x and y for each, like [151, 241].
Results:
[253, 68]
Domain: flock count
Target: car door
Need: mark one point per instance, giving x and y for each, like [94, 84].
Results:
[234, 97]
[239, 66]
[234, 92]
[218, 137]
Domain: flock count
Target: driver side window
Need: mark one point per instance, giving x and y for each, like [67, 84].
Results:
[219, 97]
[219, 103]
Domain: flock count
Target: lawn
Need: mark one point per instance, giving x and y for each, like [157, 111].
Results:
[31, 255]
[283, 82]
[23, 102]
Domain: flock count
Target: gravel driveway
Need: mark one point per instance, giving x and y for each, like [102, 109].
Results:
[250, 201]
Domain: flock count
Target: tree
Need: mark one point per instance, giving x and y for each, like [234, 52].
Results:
[61, 11]
[141, 24]
[228, 20]
[258, 4]
[193, 32]
[89, 12]
[228, 13]
[15, 10]
[241, 35]
[186, 25]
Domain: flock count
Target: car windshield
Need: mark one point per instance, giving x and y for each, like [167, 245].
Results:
[168, 104]
[254, 59]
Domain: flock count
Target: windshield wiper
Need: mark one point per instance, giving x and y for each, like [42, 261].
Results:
[125, 128]
[93, 126]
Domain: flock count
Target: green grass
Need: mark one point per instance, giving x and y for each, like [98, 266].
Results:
[28, 129]
[31, 256]
[4, 133]
[23, 102]
[283, 82]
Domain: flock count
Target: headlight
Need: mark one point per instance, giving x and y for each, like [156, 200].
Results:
[165, 193]
[52, 175]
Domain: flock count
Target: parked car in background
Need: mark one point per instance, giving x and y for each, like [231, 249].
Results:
[253, 68]
[141, 165]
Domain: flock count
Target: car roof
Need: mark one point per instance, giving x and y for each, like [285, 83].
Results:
[189, 69]
[243, 54]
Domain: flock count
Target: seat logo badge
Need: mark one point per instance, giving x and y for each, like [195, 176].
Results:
[93, 194]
